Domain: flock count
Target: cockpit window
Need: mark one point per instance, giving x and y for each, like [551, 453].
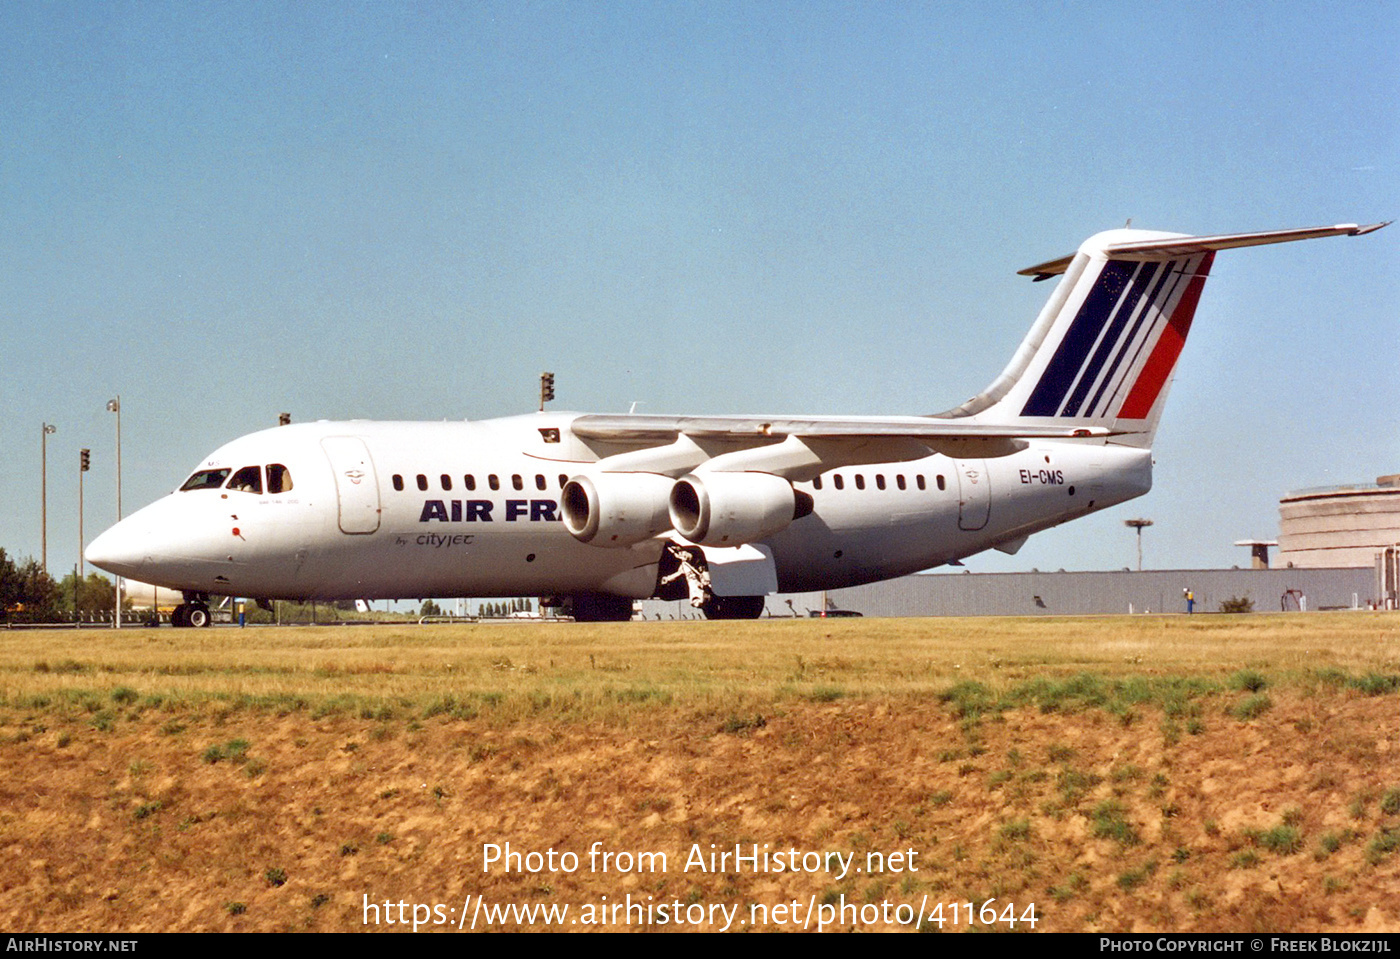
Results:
[247, 480]
[279, 478]
[206, 479]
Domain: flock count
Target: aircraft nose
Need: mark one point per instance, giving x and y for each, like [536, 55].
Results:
[119, 550]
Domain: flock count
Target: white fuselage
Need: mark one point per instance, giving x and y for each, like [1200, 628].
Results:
[410, 510]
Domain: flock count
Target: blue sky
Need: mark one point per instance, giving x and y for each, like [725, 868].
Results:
[382, 210]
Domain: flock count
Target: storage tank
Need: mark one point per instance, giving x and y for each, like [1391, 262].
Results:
[1339, 526]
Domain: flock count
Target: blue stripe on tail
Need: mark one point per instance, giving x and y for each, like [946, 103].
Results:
[1064, 366]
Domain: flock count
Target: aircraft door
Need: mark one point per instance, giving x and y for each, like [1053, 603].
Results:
[356, 486]
[974, 494]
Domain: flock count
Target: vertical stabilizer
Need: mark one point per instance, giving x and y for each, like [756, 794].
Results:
[1103, 351]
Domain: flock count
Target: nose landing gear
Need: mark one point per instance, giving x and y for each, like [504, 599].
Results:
[194, 611]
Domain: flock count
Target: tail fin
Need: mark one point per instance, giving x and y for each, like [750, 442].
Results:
[1104, 348]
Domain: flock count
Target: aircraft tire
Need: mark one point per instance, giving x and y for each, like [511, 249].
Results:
[733, 607]
[180, 616]
[197, 615]
[602, 608]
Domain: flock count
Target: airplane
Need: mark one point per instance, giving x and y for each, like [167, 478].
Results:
[594, 511]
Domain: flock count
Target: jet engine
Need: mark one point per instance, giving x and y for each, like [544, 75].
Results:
[730, 509]
[616, 509]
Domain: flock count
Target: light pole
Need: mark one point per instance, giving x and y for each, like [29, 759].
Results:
[115, 406]
[84, 460]
[1139, 525]
[49, 430]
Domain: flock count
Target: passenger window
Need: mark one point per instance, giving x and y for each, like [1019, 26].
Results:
[941, 484]
[860, 481]
[247, 480]
[279, 479]
[398, 482]
[540, 484]
[206, 479]
[816, 482]
[899, 481]
[494, 481]
[517, 482]
[422, 482]
[470, 481]
[563, 480]
[446, 482]
[920, 480]
[879, 480]
[839, 481]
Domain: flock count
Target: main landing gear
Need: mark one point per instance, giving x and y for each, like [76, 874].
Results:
[683, 573]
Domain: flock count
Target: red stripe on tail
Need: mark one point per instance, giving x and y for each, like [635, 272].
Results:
[1158, 368]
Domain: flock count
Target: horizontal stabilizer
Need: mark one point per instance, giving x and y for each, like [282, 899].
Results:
[1166, 249]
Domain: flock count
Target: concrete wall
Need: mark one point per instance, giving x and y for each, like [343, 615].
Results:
[1075, 594]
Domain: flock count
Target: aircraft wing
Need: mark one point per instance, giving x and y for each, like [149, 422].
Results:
[797, 447]
[646, 428]
[766, 443]
[1175, 246]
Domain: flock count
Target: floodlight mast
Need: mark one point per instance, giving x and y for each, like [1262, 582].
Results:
[114, 405]
[48, 430]
[1139, 525]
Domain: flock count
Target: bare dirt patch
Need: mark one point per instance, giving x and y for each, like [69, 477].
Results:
[142, 829]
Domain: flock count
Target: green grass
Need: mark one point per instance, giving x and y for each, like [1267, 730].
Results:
[1136, 877]
[235, 751]
[981, 667]
[1248, 680]
[1383, 846]
[1390, 802]
[1251, 707]
[1073, 784]
[1110, 822]
[1283, 840]
[1016, 831]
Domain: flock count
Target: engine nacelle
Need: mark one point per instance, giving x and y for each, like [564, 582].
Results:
[730, 509]
[616, 509]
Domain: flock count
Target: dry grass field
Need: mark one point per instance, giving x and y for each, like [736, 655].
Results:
[1210, 773]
